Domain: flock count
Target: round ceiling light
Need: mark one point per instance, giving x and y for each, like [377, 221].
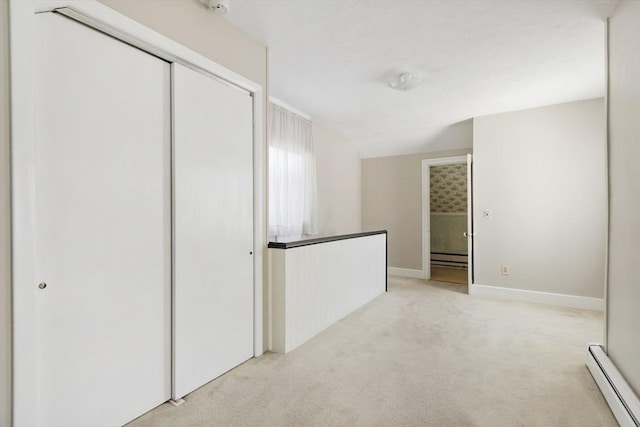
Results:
[406, 81]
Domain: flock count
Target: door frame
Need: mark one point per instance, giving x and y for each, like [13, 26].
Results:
[426, 207]
[26, 395]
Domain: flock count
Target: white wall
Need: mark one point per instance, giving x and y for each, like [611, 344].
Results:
[542, 173]
[190, 23]
[338, 177]
[623, 290]
[5, 224]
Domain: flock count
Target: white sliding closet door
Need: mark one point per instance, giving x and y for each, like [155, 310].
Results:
[102, 194]
[213, 228]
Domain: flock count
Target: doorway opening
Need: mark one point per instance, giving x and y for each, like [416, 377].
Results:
[447, 220]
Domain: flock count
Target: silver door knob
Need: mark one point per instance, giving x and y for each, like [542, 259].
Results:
[42, 285]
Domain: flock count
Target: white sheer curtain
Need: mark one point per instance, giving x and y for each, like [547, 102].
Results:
[293, 206]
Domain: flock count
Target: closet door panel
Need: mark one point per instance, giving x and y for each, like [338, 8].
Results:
[213, 228]
[102, 180]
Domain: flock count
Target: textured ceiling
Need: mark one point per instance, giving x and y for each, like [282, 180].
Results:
[333, 59]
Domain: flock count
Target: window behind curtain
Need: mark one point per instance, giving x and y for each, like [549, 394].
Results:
[293, 210]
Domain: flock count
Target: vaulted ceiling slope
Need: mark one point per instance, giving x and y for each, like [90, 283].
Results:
[334, 59]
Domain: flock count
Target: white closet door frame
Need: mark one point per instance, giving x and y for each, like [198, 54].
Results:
[99, 16]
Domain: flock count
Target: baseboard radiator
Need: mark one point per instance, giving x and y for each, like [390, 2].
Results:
[449, 259]
[623, 402]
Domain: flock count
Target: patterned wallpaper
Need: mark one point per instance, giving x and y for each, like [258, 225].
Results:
[447, 233]
[448, 188]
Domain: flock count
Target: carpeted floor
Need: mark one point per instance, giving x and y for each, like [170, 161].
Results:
[422, 354]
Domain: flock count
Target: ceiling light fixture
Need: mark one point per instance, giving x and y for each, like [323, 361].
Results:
[221, 7]
[406, 81]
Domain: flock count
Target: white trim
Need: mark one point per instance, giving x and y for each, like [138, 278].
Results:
[426, 207]
[623, 402]
[288, 107]
[607, 155]
[405, 272]
[259, 238]
[445, 160]
[470, 228]
[426, 220]
[22, 12]
[562, 300]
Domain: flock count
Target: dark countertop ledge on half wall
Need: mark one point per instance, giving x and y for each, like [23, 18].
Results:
[326, 239]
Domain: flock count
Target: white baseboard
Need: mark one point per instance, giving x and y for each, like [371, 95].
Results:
[405, 272]
[562, 300]
[624, 404]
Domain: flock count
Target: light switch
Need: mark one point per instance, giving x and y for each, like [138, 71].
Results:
[486, 214]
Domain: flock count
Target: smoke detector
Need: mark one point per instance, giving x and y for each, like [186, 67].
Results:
[406, 81]
[221, 7]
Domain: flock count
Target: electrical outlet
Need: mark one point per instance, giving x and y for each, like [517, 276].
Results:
[505, 270]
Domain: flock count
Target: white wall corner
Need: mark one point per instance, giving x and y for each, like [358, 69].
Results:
[405, 272]
[561, 300]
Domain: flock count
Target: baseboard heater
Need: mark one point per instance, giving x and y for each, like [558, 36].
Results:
[623, 402]
[449, 259]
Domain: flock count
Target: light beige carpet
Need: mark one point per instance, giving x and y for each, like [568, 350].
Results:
[421, 354]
